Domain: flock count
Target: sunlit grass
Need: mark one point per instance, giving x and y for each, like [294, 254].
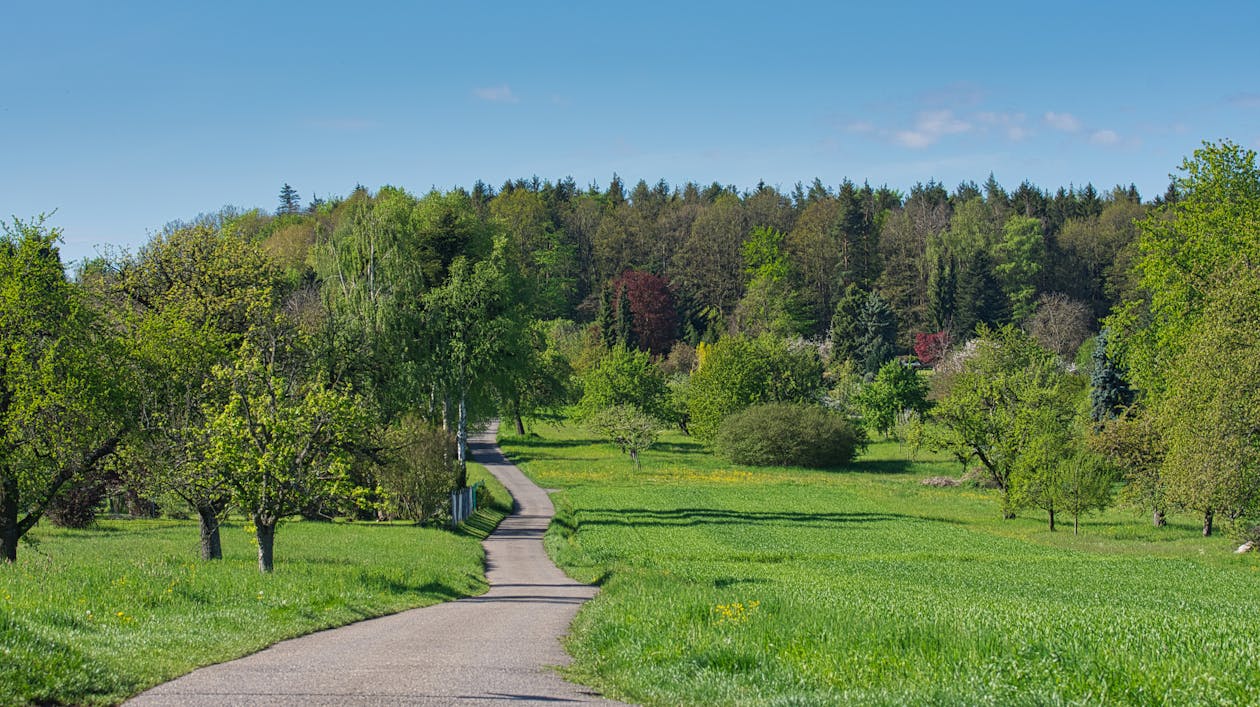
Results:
[94, 616]
[870, 588]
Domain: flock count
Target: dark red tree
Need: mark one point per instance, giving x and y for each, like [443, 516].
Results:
[930, 348]
[654, 318]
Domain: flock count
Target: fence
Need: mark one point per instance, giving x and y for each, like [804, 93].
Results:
[463, 503]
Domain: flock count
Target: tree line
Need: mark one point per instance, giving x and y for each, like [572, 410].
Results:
[328, 360]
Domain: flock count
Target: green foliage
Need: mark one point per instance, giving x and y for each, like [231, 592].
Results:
[1009, 407]
[419, 470]
[64, 400]
[1109, 392]
[1021, 257]
[96, 616]
[282, 441]
[1210, 412]
[624, 376]
[626, 426]
[877, 333]
[737, 372]
[896, 389]
[1058, 475]
[788, 434]
[1187, 249]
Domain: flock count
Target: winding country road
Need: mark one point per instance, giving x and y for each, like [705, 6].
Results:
[495, 649]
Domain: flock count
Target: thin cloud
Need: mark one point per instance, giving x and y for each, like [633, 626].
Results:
[1104, 137]
[496, 94]
[930, 127]
[1009, 124]
[1066, 122]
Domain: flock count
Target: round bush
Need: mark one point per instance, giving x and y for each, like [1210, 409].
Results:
[789, 434]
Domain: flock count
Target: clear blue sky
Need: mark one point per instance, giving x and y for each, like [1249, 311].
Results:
[124, 116]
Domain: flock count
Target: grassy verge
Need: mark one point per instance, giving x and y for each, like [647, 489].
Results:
[93, 616]
[724, 585]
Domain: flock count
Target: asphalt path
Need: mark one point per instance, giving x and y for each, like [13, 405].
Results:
[499, 648]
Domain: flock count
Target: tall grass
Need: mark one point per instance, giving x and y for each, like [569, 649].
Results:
[726, 585]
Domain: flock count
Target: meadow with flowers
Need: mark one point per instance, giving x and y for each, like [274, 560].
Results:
[860, 585]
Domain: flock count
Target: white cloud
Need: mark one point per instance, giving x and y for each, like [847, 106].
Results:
[1104, 137]
[496, 94]
[930, 127]
[913, 138]
[1010, 124]
[1066, 122]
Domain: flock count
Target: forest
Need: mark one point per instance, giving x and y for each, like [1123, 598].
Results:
[1071, 348]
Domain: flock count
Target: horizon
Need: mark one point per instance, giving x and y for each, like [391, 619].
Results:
[122, 120]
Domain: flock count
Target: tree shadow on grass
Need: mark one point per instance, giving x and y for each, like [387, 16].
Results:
[684, 517]
[685, 448]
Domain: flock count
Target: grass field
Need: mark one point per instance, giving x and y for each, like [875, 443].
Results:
[728, 585]
[94, 616]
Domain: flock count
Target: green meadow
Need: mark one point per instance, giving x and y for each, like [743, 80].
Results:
[94, 616]
[725, 585]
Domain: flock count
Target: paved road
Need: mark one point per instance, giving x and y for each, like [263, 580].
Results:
[495, 649]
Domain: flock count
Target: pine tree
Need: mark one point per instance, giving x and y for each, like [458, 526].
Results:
[980, 299]
[1109, 392]
[877, 333]
[290, 202]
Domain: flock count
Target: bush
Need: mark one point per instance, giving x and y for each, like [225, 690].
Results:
[419, 471]
[789, 434]
[738, 372]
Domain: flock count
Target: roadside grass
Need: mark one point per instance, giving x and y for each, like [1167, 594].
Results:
[724, 585]
[94, 616]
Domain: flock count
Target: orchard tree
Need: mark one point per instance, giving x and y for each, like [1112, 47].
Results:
[189, 297]
[896, 389]
[1008, 396]
[1186, 248]
[1210, 412]
[64, 406]
[628, 427]
[625, 376]
[283, 440]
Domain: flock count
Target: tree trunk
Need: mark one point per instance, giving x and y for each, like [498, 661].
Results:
[1076, 524]
[1207, 523]
[1158, 519]
[461, 442]
[265, 533]
[9, 533]
[1051, 509]
[211, 548]
[520, 424]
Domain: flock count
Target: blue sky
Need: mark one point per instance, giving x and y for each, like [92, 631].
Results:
[124, 116]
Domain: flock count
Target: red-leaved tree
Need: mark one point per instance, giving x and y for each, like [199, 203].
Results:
[654, 318]
[931, 347]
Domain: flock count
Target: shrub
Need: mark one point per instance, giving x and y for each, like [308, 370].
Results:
[737, 372]
[419, 471]
[789, 434]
